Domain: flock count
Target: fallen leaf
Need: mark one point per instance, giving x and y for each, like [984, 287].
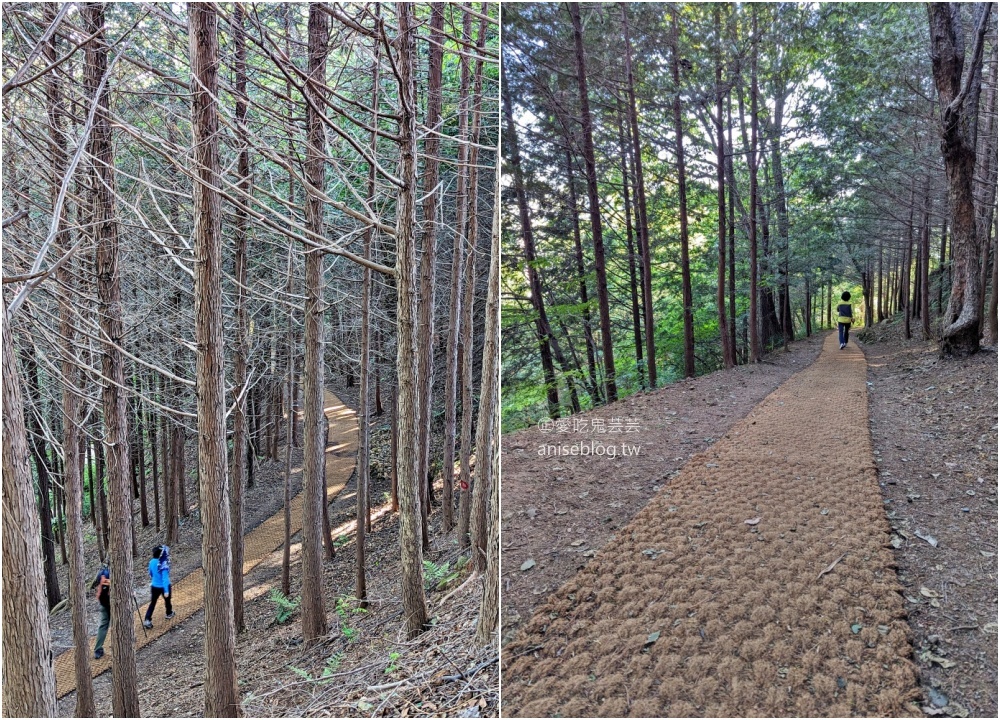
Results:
[927, 592]
[577, 543]
[990, 628]
[652, 638]
[824, 511]
[930, 657]
[956, 710]
[590, 553]
[561, 512]
[528, 564]
[856, 628]
[986, 553]
[896, 542]
[929, 538]
[752, 521]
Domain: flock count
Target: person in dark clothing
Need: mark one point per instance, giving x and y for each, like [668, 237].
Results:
[845, 317]
[159, 583]
[103, 585]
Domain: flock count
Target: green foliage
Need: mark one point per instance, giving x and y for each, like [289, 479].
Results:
[284, 607]
[392, 666]
[326, 676]
[438, 576]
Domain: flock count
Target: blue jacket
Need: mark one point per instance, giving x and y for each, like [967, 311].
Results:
[158, 578]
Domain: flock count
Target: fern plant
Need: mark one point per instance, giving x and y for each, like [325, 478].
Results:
[285, 607]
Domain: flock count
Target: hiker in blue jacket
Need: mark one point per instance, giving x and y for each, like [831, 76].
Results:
[159, 583]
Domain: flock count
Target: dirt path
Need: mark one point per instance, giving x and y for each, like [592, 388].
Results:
[547, 500]
[188, 592]
[759, 582]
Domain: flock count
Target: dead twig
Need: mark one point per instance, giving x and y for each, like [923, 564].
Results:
[831, 566]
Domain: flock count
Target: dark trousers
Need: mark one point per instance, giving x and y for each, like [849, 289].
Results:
[845, 330]
[154, 595]
[102, 630]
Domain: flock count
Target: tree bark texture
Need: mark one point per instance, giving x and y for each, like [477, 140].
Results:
[314, 623]
[425, 335]
[72, 473]
[125, 695]
[411, 546]
[221, 695]
[958, 81]
[486, 534]
[29, 685]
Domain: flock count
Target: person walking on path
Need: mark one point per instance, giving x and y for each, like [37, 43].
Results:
[159, 583]
[845, 316]
[103, 584]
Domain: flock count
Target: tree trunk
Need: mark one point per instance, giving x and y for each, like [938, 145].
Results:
[411, 547]
[314, 623]
[958, 90]
[731, 178]
[455, 304]
[925, 262]
[29, 686]
[634, 281]
[643, 221]
[140, 456]
[486, 531]
[125, 696]
[71, 440]
[241, 225]
[425, 334]
[39, 454]
[752, 161]
[364, 395]
[607, 344]
[152, 423]
[728, 353]
[222, 698]
[527, 237]
[588, 327]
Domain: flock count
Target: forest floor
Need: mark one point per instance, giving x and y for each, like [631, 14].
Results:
[759, 580]
[934, 431]
[365, 667]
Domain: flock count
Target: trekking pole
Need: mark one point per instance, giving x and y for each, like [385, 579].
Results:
[139, 613]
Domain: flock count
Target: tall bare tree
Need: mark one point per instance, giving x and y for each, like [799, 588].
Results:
[486, 536]
[125, 694]
[221, 695]
[411, 545]
[314, 623]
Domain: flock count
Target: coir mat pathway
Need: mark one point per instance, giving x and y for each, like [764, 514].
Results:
[187, 593]
[759, 582]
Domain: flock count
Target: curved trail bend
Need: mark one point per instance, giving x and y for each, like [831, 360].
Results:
[187, 593]
[759, 582]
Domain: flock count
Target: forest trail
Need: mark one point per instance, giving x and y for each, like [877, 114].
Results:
[759, 582]
[187, 593]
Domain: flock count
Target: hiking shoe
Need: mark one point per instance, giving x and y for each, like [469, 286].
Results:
[98, 653]
[170, 616]
[147, 624]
